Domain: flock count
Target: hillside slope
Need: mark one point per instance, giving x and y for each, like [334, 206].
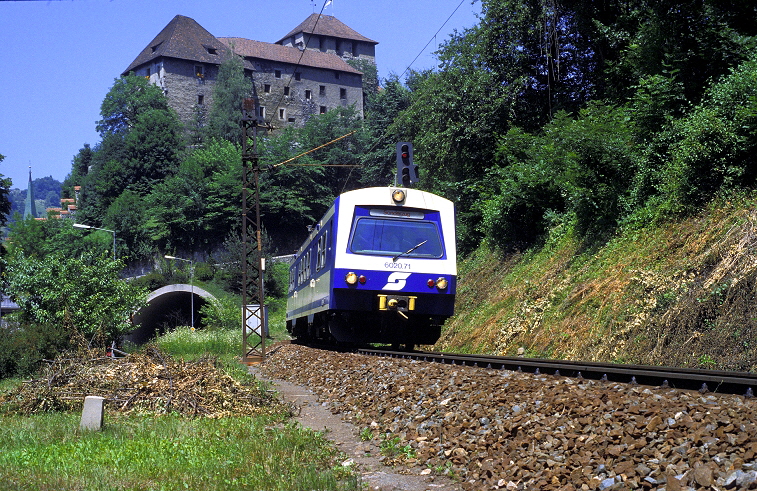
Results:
[680, 294]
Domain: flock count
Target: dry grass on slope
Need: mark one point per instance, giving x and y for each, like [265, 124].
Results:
[681, 294]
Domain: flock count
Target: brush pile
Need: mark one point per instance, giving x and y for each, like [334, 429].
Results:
[144, 382]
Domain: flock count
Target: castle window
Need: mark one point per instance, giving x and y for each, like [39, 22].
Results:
[308, 94]
[322, 90]
[297, 76]
[200, 99]
[199, 71]
[267, 88]
[342, 93]
[155, 48]
[291, 120]
[286, 90]
[261, 112]
[323, 109]
[354, 49]
[211, 50]
[336, 75]
[277, 73]
[282, 113]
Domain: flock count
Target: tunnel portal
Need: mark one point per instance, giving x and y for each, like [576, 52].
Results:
[166, 308]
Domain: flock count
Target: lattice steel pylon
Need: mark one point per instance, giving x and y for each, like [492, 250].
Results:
[253, 296]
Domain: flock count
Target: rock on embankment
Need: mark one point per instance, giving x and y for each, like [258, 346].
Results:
[507, 430]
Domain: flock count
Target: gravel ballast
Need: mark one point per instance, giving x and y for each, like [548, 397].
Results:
[496, 429]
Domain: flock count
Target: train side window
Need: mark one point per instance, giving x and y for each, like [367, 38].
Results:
[304, 268]
[322, 247]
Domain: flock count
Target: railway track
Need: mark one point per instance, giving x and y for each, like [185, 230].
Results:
[498, 429]
[724, 382]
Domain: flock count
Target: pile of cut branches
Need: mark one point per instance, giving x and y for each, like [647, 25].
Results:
[143, 382]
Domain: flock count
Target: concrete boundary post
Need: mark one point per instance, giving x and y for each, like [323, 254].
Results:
[92, 414]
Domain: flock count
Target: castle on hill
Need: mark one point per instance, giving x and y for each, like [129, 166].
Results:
[309, 71]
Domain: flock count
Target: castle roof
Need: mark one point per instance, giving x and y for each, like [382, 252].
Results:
[185, 39]
[287, 54]
[327, 25]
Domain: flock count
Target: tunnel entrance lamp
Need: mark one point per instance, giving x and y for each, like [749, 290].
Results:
[191, 283]
[81, 225]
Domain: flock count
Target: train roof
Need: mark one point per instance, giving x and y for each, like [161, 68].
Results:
[382, 196]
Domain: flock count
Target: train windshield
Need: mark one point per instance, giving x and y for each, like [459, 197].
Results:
[392, 237]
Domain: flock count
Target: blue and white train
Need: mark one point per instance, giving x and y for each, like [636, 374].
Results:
[379, 267]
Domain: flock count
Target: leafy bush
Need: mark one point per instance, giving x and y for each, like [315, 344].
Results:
[277, 279]
[83, 294]
[712, 149]
[582, 166]
[151, 281]
[203, 272]
[222, 313]
[24, 346]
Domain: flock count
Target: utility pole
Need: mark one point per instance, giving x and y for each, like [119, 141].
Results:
[253, 301]
[254, 326]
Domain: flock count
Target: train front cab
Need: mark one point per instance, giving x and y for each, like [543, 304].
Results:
[394, 275]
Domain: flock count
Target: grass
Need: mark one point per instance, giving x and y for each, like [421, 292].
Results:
[170, 452]
[648, 289]
[49, 452]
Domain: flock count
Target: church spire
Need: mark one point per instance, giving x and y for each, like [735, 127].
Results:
[30, 208]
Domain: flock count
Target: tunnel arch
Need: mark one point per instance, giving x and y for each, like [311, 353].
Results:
[165, 306]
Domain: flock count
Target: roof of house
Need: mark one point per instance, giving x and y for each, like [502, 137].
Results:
[185, 39]
[327, 25]
[287, 54]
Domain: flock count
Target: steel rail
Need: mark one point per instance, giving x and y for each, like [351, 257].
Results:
[724, 382]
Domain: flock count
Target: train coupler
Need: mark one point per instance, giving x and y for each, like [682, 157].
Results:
[398, 303]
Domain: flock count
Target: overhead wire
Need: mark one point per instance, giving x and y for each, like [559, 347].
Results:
[432, 38]
[381, 138]
[299, 61]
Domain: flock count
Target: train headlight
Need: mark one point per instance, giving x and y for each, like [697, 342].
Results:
[441, 283]
[362, 279]
[350, 278]
[398, 196]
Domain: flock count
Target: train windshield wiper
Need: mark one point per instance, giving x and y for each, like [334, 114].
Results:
[394, 259]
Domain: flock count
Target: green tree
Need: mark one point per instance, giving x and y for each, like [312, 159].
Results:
[381, 109]
[5, 202]
[297, 194]
[128, 216]
[229, 91]
[580, 166]
[127, 99]
[40, 238]
[197, 207]
[83, 294]
[142, 142]
[176, 209]
[79, 168]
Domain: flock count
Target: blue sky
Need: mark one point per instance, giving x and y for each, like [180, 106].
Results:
[60, 58]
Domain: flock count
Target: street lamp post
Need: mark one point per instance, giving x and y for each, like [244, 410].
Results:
[81, 225]
[191, 282]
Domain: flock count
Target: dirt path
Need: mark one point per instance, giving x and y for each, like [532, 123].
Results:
[365, 455]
